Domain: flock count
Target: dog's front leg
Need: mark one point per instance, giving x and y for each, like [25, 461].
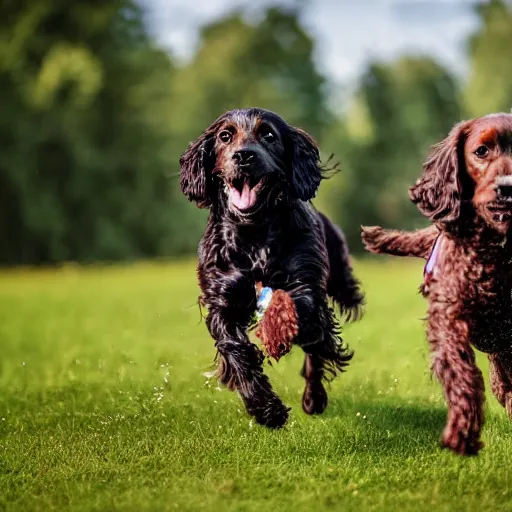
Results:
[231, 302]
[500, 372]
[453, 362]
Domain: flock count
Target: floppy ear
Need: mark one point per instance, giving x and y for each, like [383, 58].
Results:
[438, 192]
[306, 173]
[196, 164]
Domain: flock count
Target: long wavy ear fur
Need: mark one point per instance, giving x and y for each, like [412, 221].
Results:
[306, 172]
[438, 192]
[196, 164]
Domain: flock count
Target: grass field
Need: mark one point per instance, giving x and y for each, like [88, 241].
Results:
[104, 406]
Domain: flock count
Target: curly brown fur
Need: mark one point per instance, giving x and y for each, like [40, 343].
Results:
[500, 373]
[400, 243]
[257, 175]
[466, 192]
[279, 325]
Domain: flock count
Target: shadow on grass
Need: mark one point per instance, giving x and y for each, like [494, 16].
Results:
[377, 430]
[388, 427]
[389, 413]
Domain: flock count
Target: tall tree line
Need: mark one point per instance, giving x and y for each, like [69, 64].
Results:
[94, 117]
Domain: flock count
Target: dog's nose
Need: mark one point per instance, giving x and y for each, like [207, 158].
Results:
[504, 187]
[244, 156]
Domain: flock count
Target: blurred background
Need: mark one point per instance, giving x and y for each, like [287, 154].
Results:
[99, 99]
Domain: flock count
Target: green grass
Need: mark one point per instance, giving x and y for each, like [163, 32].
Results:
[104, 406]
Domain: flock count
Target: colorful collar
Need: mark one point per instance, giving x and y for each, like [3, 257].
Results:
[430, 266]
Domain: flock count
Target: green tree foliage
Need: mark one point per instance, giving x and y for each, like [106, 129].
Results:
[94, 118]
[240, 64]
[490, 83]
[399, 111]
[85, 130]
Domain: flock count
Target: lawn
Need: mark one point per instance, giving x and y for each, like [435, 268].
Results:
[104, 406]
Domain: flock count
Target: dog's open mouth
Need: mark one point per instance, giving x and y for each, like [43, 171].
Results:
[242, 195]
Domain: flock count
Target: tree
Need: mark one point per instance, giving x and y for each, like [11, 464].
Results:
[489, 87]
[399, 110]
[267, 64]
[84, 164]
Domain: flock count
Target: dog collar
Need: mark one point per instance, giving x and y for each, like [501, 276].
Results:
[430, 266]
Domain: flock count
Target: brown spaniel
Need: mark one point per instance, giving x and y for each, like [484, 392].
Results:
[466, 192]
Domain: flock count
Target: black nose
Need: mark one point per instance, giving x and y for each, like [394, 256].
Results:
[244, 156]
[504, 187]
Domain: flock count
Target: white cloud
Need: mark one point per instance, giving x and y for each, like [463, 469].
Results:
[348, 33]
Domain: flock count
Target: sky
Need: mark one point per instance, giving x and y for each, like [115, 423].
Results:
[349, 33]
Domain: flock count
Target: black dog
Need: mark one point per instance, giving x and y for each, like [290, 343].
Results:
[257, 175]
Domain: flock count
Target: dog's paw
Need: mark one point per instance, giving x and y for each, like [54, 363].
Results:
[461, 443]
[370, 236]
[274, 415]
[507, 403]
[314, 399]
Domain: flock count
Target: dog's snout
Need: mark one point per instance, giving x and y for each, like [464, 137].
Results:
[244, 156]
[504, 187]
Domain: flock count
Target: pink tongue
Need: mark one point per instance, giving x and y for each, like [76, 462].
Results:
[242, 200]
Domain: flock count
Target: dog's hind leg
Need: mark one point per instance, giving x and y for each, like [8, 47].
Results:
[342, 285]
[324, 359]
[314, 399]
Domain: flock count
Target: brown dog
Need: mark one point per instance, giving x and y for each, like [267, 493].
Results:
[466, 192]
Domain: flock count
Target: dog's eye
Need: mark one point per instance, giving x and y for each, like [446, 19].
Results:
[482, 152]
[268, 136]
[225, 136]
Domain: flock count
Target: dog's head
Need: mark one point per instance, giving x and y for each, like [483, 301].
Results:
[473, 165]
[247, 159]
